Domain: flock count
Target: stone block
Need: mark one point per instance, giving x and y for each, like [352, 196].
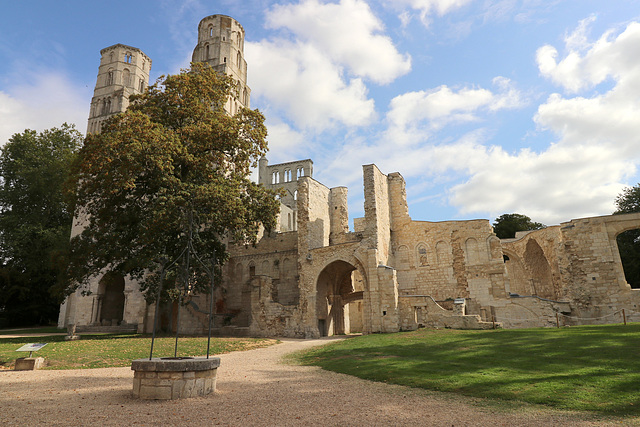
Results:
[29, 363]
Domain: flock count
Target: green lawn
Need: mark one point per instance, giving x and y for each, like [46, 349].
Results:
[588, 368]
[102, 351]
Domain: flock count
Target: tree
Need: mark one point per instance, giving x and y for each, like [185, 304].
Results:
[629, 241]
[174, 165]
[506, 225]
[35, 222]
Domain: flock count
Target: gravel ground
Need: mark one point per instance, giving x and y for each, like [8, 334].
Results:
[254, 389]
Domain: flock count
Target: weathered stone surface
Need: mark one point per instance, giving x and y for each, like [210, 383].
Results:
[29, 363]
[174, 379]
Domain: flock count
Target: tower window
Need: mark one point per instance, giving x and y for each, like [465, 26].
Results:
[238, 60]
[127, 57]
[225, 59]
[109, 78]
[210, 31]
[206, 52]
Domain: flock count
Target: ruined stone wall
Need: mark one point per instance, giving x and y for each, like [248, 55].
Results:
[591, 269]
[533, 263]
[275, 257]
[377, 227]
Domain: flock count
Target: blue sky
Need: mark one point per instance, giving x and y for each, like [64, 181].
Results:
[485, 107]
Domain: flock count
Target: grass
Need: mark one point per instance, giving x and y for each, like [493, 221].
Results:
[113, 350]
[586, 368]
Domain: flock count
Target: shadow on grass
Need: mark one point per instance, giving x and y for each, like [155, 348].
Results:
[592, 368]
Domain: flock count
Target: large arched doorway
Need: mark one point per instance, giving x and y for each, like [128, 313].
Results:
[111, 291]
[339, 307]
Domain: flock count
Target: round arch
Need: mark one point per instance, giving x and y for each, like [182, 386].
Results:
[340, 289]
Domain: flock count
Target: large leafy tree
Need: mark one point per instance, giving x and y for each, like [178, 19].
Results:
[629, 241]
[174, 165]
[506, 225]
[35, 222]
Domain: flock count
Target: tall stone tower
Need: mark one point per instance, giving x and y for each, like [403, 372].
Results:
[221, 45]
[123, 71]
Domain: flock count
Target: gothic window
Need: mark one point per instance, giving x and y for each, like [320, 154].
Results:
[252, 269]
[295, 195]
[245, 98]
[206, 52]
[299, 172]
[210, 31]
[127, 57]
[109, 77]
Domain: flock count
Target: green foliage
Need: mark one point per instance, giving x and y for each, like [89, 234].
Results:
[506, 225]
[590, 368]
[35, 222]
[173, 165]
[107, 351]
[629, 241]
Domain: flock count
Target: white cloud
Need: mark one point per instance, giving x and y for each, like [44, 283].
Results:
[608, 57]
[297, 78]
[48, 100]
[444, 105]
[347, 32]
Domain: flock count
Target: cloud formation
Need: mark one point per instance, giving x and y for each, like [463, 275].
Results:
[598, 135]
[315, 72]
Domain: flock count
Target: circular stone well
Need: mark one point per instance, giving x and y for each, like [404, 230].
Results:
[174, 378]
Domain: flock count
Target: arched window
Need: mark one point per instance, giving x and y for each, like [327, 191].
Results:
[141, 88]
[210, 31]
[245, 97]
[206, 52]
[300, 172]
[238, 60]
[109, 77]
[108, 106]
[224, 59]
[144, 64]
[127, 57]
[295, 195]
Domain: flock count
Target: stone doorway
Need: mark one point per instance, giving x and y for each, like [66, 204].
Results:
[339, 307]
[111, 300]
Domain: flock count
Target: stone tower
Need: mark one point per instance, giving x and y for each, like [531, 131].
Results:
[221, 45]
[123, 71]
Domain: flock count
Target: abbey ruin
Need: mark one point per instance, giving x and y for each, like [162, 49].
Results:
[314, 276]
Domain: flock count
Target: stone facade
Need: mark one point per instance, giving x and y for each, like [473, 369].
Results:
[314, 276]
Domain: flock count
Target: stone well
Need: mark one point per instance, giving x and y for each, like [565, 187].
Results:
[174, 378]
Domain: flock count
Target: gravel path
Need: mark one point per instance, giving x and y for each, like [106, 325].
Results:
[254, 388]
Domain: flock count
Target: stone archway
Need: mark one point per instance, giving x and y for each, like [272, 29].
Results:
[111, 293]
[339, 302]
